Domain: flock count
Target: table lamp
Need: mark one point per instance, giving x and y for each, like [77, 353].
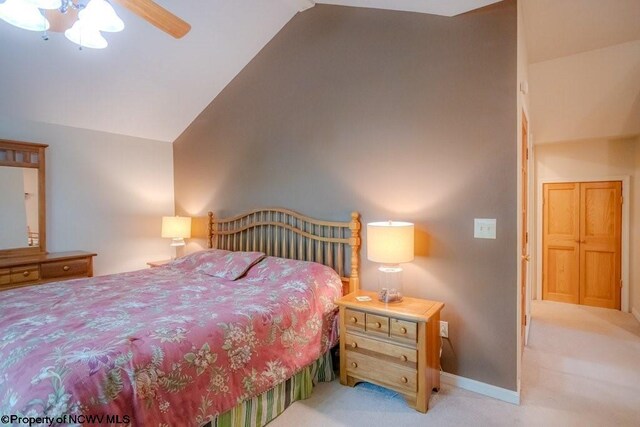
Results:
[390, 243]
[177, 228]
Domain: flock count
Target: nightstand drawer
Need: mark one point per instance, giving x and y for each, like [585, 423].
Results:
[395, 353]
[389, 375]
[377, 324]
[5, 277]
[354, 319]
[403, 329]
[75, 267]
[24, 274]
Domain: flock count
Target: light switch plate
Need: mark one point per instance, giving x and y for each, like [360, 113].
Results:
[484, 228]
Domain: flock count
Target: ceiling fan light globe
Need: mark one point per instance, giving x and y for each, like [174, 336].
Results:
[23, 15]
[45, 4]
[85, 35]
[102, 16]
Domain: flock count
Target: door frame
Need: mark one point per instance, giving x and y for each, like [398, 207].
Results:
[626, 211]
[523, 110]
[528, 227]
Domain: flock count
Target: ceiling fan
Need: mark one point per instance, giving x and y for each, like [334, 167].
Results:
[82, 21]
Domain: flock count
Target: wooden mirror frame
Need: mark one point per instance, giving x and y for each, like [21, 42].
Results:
[26, 151]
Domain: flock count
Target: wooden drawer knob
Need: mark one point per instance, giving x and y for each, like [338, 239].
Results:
[403, 330]
[25, 273]
[354, 364]
[354, 319]
[378, 325]
[66, 268]
[403, 358]
[404, 380]
[354, 344]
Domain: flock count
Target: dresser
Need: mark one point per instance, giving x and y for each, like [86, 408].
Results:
[29, 270]
[394, 345]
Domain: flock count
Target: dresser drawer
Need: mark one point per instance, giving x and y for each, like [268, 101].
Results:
[25, 274]
[389, 375]
[390, 352]
[60, 269]
[354, 319]
[5, 277]
[377, 324]
[403, 329]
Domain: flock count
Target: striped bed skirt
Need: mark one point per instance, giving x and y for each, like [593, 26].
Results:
[261, 409]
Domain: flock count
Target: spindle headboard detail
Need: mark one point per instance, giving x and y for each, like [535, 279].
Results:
[288, 234]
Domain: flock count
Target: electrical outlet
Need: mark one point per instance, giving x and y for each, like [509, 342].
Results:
[444, 329]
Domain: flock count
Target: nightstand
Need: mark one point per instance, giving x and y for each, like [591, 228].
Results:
[395, 345]
[158, 263]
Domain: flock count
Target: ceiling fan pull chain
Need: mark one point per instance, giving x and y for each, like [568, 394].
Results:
[45, 33]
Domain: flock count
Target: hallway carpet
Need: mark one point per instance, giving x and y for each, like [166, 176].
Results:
[580, 368]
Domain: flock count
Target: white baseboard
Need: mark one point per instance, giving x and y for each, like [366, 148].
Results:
[636, 313]
[499, 393]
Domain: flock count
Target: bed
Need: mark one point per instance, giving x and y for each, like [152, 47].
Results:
[227, 336]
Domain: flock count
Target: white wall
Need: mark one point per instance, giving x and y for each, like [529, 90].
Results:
[13, 217]
[105, 193]
[599, 158]
[593, 94]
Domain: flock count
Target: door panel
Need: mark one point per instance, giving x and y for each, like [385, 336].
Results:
[561, 255]
[564, 205]
[563, 273]
[599, 274]
[600, 244]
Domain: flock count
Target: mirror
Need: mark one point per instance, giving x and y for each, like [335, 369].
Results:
[22, 210]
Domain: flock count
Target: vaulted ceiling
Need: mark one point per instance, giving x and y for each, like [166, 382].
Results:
[147, 84]
[584, 70]
[557, 28]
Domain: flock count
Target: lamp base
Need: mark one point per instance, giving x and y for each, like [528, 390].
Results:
[389, 283]
[177, 241]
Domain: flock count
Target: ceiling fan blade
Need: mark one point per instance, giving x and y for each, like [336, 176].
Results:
[60, 22]
[158, 16]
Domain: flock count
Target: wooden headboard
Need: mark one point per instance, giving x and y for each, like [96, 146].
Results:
[287, 234]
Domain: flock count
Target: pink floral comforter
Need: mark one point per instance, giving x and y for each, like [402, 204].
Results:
[163, 346]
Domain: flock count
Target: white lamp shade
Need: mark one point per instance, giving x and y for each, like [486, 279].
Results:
[176, 227]
[390, 242]
[23, 15]
[86, 36]
[101, 16]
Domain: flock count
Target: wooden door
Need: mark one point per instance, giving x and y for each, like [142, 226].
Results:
[600, 243]
[582, 228]
[524, 251]
[560, 243]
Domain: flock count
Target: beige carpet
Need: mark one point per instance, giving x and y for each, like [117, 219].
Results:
[581, 368]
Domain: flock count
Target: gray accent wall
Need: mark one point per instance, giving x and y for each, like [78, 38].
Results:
[399, 116]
